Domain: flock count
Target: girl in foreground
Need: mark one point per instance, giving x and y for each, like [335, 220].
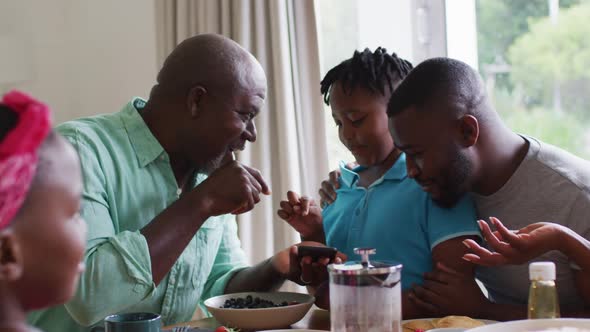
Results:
[42, 237]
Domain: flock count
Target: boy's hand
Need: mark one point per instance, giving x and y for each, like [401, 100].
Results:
[303, 214]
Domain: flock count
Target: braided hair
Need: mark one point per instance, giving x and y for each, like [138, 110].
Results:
[374, 71]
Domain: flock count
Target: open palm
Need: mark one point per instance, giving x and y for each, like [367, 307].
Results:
[511, 247]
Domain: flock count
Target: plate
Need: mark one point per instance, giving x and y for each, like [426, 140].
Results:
[535, 325]
[485, 321]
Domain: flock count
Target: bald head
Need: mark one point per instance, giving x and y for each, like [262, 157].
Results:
[203, 106]
[444, 82]
[212, 61]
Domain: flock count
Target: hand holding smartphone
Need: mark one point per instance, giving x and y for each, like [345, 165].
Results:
[317, 252]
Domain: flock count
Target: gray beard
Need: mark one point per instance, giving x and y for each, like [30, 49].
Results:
[211, 165]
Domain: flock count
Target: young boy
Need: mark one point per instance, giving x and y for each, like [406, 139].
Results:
[42, 237]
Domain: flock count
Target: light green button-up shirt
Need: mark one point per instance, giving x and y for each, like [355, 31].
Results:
[128, 181]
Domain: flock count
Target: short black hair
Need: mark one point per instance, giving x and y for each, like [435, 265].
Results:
[8, 119]
[440, 80]
[374, 71]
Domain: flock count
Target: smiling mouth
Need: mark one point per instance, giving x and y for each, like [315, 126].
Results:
[427, 186]
[237, 148]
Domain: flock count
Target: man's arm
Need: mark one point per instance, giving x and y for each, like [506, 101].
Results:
[169, 233]
[515, 248]
[233, 187]
[431, 297]
[577, 249]
[263, 277]
[123, 268]
[285, 265]
[447, 292]
[450, 253]
[528, 243]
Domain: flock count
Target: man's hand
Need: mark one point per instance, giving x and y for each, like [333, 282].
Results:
[322, 295]
[328, 189]
[303, 271]
[232, 188]
[270, 274]
[513, 247]
[448, 292]
[303, 215]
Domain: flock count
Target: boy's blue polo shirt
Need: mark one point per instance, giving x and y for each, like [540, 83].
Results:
[395, 216]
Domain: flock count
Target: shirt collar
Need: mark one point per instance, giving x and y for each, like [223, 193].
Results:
[397, 172]
[146, 146]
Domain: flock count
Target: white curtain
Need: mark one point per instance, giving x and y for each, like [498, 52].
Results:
[291, 148]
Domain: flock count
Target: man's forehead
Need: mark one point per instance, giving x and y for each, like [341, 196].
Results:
[431, 113]
[256, 90]
[412, 117]
[250, 99]
[256, 96]
[415, 126]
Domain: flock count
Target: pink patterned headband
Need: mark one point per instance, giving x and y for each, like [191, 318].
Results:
[18, 152]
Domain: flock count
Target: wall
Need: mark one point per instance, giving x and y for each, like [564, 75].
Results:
[82, 57]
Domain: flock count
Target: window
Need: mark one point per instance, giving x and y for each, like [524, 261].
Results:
[348, 25]
[535, 59]
[534, 55]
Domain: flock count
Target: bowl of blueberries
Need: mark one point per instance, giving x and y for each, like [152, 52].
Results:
[257, 310]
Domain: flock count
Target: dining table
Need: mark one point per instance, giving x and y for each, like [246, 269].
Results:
[315, 319]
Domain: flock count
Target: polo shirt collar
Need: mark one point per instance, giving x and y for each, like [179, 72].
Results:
[397, 172]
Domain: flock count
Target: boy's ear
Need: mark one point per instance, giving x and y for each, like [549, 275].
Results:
[11, 260]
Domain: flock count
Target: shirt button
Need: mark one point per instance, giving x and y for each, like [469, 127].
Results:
[178, 191]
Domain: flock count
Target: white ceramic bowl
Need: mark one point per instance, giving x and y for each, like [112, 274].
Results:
[534, 325]
[263, 318]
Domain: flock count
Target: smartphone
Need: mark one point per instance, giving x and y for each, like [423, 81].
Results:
[317, 252]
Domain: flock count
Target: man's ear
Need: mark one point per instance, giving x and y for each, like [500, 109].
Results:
[194, 100]
[468, 130]
[11, 260]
